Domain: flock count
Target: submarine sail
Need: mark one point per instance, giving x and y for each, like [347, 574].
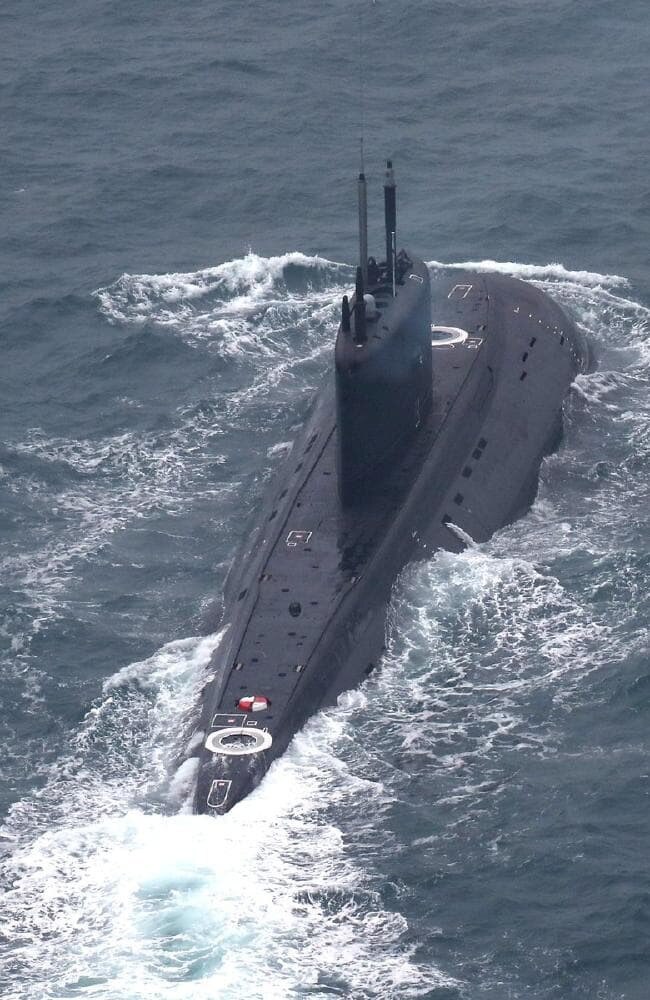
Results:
[446, 394]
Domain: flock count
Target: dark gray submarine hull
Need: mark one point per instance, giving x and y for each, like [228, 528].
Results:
[305, 608]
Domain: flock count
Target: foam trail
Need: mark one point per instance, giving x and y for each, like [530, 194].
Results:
[234, 277]
[250, 287]
[538, 272]
[110, 901]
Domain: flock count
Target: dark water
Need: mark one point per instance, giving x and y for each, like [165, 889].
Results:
[177, 187]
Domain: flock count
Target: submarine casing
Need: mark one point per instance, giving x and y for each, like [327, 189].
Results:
[306, 604]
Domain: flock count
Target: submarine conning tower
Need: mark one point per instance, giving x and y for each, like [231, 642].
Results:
[382, 360]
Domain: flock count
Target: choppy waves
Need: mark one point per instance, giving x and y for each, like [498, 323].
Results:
[82, 493]
[136, 902]
[242, 307]
[344, 873]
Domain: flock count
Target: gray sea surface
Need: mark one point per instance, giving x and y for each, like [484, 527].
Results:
[178, 224]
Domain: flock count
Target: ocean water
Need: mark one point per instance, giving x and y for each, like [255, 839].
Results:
[178, 221]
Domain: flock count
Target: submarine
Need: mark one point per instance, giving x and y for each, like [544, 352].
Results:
[447, 392]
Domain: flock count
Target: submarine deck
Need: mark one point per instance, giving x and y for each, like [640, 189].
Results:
[498, 392]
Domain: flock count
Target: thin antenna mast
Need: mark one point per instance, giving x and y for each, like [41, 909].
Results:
[362, 109]
[362, 192]
[363, 228]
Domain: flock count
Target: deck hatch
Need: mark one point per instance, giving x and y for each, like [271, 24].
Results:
[218, 793]
[298, 537]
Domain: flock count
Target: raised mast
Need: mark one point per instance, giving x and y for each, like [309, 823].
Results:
[390, 216]
[363, 228]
